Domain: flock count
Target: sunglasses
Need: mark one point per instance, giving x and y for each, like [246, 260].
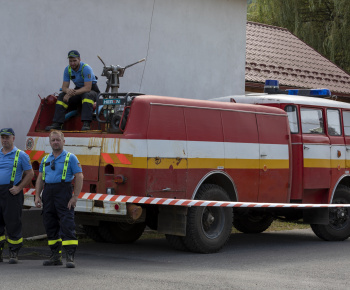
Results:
[53, 165]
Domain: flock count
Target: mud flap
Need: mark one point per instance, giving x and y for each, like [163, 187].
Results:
[319, 216]
[172, 220]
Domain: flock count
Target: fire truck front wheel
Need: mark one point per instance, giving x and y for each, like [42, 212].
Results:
[208, 228]
[338, 228]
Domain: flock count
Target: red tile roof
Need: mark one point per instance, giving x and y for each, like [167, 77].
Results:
[275, 53]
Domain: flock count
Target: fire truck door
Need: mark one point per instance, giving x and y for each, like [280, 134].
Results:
[337, 142]
[166, 152]
[88, 152]
[274, 158]
[316, 149]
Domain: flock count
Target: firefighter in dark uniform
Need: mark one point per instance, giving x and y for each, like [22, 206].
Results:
[56, 172]
[85, 91]
[15, 173]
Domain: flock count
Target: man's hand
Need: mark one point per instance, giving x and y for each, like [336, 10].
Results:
[38, 202]
[72, 202]
[15, 190]
[70, 92]
[66, 98]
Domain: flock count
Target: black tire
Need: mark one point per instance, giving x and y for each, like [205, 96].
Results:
[121, 233]
[252, 223]
[338, 228]
[176, 242]
[208, 228]
[93, 233]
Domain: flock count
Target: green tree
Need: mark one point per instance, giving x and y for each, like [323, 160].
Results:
[322, 24]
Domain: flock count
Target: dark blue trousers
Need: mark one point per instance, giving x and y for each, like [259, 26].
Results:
[58, 219]
[11, 217]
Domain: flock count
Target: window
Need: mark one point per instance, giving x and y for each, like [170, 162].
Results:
[293, 118]
[333, 122]
[311, 121]
[346, 119]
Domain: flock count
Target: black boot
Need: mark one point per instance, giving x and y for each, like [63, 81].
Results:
[13, 256]
[56, 126]
[70, 260]
[1, 248]
[55, 258]
[86, 126]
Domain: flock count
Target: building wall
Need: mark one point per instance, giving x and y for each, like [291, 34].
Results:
[194, 48]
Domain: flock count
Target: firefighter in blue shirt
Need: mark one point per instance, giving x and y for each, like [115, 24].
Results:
[85, 91]
[56, 172]
[15, 173]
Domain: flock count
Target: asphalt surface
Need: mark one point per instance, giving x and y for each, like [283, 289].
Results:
[279, 260]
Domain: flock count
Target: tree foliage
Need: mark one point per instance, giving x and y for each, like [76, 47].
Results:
[322, 24]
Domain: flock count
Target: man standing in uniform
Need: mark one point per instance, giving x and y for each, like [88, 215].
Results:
[85, 91]
[56, 172]
[15, 173]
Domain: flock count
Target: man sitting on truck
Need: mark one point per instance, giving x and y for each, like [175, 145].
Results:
[86, 91]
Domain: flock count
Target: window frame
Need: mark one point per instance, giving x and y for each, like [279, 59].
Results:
[323, 120]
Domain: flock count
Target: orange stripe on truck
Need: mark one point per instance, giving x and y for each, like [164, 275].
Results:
[107, 158]
[122, 158]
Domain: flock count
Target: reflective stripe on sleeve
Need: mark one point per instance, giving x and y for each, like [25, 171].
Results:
[87, 101]
[15, 242]
[63, 104]
[65, 167]
[15, 163]
[52, 242]
[71, 242]
[2, 238]
[47, 156]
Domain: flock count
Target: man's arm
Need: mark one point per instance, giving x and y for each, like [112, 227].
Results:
[38, 188]
[27, 177]
[85, 89]
[78, 185]
[71, 92]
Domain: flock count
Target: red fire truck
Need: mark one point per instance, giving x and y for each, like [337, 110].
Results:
[275, 148]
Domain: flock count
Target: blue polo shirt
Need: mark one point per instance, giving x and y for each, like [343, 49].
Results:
[6, 166]
[77, 77]
[55, 176]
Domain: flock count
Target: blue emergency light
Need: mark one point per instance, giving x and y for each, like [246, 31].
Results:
[272, 87]
[272, 84]
[319, 93]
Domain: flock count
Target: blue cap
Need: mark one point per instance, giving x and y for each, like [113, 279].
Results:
[73, 53]
[7, 131]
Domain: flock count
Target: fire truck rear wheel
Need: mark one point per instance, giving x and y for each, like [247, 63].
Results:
[176, 242]
[121, 233]
[252, 223]
[208, 228]
[338, 228]
[92, 232]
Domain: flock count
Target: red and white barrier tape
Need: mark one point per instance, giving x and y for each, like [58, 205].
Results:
[188, 202]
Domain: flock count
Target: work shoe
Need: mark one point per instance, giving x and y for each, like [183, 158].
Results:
[86, 126]
[70, 260]
[55, 258]
[13, 257]
[55, 126]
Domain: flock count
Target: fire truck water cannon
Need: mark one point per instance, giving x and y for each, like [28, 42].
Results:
[111, 104]
[272, 87]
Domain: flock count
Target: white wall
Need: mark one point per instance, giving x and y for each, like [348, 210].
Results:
[194, 48]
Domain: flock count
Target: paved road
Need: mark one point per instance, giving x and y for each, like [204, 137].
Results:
[280, 260]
